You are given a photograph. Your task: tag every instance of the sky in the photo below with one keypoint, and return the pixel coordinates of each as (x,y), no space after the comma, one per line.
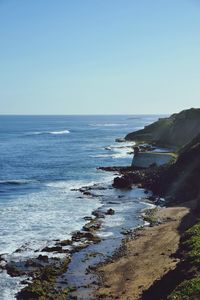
(99,56)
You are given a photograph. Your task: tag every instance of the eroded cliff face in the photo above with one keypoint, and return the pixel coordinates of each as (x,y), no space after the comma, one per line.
(147,159)
(181,180)
(175,131)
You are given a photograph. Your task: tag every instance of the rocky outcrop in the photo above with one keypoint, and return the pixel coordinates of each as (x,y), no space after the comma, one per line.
(175,131)
(147,159)
(180,181)
(177,181)
(123,182)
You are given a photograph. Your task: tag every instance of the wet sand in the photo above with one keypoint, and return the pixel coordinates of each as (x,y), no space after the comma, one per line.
(144,258)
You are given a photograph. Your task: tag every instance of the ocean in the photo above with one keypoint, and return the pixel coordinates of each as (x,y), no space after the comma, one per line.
(43,158)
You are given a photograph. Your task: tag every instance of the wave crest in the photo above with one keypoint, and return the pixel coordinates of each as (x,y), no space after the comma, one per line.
(106,124)
(51,132)
(15,182)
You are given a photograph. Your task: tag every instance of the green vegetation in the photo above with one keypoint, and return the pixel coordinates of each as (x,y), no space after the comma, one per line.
(177,182)
(151,217)
(175,131)
(189,289)
(192,244)
(44,285)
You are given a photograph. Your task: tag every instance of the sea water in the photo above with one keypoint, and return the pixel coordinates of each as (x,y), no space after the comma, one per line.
(42,159)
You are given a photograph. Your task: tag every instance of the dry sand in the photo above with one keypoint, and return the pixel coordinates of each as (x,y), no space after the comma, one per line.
(144,259)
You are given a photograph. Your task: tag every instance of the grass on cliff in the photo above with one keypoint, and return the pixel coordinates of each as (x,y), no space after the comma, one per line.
(189,289)
(192,244)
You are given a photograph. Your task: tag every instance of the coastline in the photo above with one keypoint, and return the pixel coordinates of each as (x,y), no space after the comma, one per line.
(138,259)
(162,261)
(145,256)
(78,274)
(46,275)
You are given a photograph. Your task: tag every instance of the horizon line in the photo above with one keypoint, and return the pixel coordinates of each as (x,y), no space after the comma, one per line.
(85,114)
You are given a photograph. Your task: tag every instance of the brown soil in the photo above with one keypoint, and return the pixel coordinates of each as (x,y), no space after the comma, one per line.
(144,259)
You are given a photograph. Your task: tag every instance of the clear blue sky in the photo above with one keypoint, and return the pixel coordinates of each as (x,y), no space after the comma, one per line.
(99,56)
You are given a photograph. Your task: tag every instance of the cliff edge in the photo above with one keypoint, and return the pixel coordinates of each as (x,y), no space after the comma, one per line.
(175,131)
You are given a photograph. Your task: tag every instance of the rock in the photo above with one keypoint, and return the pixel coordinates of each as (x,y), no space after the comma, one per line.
(136,150)
(120,140)
(52,249)
(64,243)
(31,263)
(43,258)
(24,282)
(110,211)
(88,218)
(120,169)
(79,235)
(91,226)
(123,182)
(152,198)
(86,193)
(12,270)
(28,295)
(98,214)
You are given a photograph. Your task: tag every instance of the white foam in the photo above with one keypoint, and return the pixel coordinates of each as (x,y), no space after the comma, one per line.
(74,184)
(51,132)
(10,286)
(149,206)
(122,151)
(104,234)
(107,124)
(60,132)
(33,219)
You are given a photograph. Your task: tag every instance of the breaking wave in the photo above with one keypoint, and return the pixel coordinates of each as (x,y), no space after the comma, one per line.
(51,132)
(15,182)
(106,124)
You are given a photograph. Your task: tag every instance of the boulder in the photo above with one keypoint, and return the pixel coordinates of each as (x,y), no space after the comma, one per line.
(110,211)
(123,182)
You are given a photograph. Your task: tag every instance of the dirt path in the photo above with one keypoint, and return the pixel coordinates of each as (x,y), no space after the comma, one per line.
(144,259)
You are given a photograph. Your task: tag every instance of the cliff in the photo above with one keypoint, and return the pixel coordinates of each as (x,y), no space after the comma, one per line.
(147,159)
(179,182)
(174,131)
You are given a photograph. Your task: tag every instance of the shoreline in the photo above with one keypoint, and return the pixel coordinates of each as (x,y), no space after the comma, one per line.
(145,256)
(87,260)
(135,263)
(84,239)
(138,260)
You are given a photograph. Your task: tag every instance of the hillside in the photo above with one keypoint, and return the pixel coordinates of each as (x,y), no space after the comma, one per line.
(174,131)
(179,182)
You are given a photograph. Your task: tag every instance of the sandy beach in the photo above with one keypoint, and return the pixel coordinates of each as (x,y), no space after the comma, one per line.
(144,258)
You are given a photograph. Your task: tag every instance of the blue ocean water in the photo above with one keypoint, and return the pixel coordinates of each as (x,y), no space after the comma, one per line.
(42,159)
